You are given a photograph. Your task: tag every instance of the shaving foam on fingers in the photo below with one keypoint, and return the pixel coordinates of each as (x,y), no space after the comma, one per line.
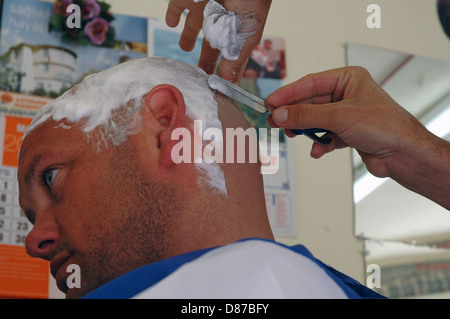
(221,29)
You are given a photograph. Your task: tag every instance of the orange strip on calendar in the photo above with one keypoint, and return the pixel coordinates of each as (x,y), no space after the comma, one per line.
(14,130)
(22,276)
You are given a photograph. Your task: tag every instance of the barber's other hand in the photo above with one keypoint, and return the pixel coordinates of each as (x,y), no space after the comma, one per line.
(253,14)
(391,142)
(351,104)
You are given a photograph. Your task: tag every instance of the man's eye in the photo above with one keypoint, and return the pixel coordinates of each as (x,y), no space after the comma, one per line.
(49,176)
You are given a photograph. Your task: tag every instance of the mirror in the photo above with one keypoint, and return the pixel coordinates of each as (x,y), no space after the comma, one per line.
(407,235)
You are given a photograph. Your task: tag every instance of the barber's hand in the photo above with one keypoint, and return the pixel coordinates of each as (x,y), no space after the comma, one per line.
(253,14)
(356,109)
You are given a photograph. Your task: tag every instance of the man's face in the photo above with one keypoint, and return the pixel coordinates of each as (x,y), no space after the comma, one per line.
(268,45)
(93,209)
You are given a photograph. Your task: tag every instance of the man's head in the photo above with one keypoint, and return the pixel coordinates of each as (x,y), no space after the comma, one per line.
(99,180)
(267,44)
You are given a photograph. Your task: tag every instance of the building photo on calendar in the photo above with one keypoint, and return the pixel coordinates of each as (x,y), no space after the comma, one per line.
(37,58)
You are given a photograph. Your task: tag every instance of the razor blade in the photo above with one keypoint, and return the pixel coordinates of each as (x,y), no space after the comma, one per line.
(244,97)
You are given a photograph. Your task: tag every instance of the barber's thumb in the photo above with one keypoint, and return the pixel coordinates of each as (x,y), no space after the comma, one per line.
(280,116)
(299,116)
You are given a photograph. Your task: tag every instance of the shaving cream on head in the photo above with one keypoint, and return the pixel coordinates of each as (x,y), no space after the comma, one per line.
(221,29)
(102,98)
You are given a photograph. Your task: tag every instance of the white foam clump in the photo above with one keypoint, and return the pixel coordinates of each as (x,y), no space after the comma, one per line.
(221,29)
(97,97)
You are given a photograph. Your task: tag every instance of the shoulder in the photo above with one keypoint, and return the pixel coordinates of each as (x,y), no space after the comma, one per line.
(247,269)
(250,268)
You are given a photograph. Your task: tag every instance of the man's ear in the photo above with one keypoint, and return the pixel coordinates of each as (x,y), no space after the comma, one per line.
(165,104)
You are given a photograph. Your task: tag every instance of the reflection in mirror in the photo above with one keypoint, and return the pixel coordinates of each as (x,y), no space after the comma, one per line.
(410,271)
(404,231)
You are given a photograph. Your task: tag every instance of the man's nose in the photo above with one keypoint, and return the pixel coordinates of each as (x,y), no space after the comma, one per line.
(42,240)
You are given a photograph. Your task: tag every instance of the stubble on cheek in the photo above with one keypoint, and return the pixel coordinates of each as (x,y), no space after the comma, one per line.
(128,230)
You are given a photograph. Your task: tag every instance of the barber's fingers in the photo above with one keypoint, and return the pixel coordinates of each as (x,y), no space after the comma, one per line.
(190,32)
(307,116)
(233,71)
(253,15)
(318,150)
(324,87)
(304,116)
(208,58)
(173,13)
(193,22)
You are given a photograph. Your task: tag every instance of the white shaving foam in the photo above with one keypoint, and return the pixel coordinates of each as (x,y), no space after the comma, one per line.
(97,97)
(221,29)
